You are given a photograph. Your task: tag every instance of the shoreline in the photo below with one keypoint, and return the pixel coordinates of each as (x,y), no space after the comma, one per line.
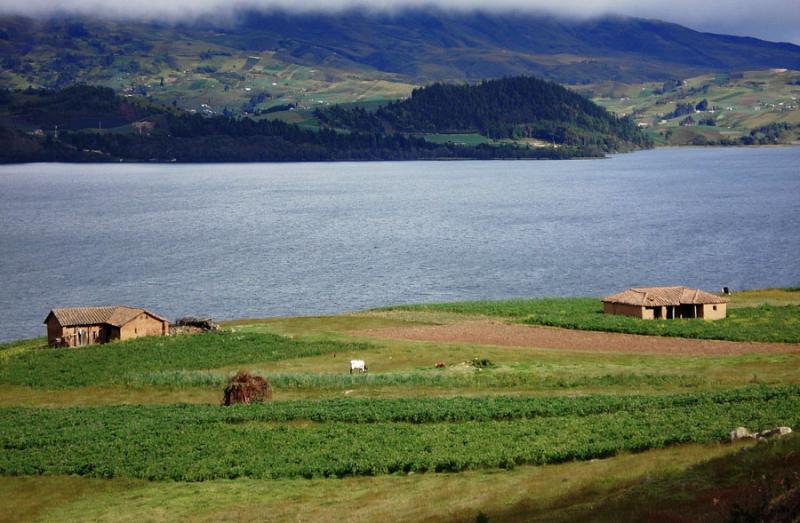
(441,159)
(515,327)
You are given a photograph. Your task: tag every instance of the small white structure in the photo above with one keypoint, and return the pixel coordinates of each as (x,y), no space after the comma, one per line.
(358,365)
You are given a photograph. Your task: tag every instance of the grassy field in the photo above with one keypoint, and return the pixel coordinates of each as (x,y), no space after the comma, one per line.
(110,364)
(134,430)
(465,139)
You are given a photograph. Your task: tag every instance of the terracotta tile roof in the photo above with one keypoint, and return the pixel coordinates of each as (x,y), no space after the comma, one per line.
(117,315)
(661,296)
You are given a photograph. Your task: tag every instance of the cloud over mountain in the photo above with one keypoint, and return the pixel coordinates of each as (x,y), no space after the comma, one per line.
(775,20)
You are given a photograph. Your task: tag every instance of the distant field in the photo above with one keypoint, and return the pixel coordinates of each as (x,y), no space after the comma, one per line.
(466,139)
(738,103)
(205,75)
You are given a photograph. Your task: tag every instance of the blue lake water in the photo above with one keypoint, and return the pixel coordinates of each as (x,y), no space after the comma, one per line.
(252,240)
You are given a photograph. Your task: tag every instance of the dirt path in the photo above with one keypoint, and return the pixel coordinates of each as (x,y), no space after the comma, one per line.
(516,335)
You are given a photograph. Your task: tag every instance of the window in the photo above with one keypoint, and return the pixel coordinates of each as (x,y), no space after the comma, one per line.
(714,307)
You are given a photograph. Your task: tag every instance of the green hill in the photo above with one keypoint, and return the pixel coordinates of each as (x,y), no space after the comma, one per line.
(517,108)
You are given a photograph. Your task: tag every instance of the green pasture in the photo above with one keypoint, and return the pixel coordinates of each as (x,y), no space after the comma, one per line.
(466,139)
(116,363)
(315,365)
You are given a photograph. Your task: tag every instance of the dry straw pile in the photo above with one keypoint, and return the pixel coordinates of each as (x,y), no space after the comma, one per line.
(246,388)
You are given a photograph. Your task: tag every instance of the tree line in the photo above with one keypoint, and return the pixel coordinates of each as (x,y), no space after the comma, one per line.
(175,135)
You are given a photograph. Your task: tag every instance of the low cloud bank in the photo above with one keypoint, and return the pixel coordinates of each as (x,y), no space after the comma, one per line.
(775,20)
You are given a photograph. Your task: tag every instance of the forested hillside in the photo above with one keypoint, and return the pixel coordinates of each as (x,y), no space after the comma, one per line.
(509,108)
(67,125)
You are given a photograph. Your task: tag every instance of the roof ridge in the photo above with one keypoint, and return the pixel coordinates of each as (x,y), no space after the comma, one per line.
(98,314)
(660,296)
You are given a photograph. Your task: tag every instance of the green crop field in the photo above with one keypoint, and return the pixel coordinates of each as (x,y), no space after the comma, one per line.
(200,443)
(135,430)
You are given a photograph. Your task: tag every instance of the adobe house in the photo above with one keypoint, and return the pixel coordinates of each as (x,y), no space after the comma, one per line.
(78,326)
(667,303)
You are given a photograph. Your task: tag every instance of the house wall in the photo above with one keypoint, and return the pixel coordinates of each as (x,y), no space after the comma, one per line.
(91,334)
(143,325)
(53,330)
(716,311)
(625,310)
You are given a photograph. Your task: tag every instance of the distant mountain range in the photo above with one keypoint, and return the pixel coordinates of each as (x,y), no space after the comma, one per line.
(433,44)
(419,45)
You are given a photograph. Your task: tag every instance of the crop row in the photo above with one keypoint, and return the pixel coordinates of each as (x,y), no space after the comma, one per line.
(414,410)
(185,442)
(193,447)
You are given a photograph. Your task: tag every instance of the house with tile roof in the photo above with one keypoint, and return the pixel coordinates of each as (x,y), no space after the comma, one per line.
(78,326)
(666,303)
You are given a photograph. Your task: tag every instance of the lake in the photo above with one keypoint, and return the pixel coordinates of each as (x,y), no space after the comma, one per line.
(254,240)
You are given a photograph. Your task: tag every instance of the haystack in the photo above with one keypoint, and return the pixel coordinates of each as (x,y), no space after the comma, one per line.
(246,388)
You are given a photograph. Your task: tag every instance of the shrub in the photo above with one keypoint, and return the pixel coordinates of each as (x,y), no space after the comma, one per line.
(481,363)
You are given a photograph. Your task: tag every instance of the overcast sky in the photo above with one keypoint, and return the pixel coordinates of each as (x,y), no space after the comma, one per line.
(775,20)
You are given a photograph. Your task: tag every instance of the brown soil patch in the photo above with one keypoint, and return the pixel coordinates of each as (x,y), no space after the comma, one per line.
(516,335)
